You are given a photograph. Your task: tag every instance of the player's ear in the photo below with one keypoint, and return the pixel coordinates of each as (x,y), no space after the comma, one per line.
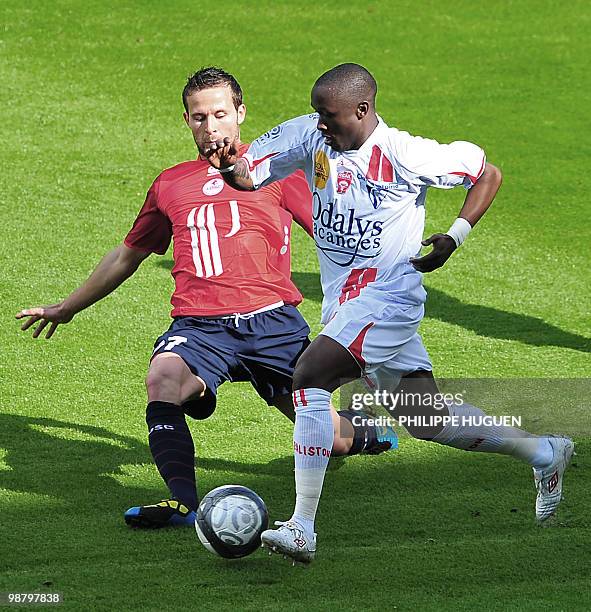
(186,117)
(362,109)
(241,110)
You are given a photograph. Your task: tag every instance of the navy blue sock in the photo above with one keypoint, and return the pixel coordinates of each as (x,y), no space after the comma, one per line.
(173,451)
(364,435)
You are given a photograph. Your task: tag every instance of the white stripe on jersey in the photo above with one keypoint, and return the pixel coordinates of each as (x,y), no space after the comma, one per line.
(235,218)
(214,242)
(204,241)
(194,242)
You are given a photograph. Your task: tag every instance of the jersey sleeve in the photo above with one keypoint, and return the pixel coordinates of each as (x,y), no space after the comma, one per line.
(152,229)
(427,162)
(283,150)
(297,199)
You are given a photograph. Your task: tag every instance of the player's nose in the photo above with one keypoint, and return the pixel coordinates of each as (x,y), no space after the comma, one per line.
(320,125)
(210,124)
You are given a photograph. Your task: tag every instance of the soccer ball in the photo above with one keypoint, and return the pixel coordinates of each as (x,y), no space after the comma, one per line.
(230,520)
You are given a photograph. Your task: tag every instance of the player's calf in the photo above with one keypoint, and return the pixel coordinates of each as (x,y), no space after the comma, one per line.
(172,449)
(549,456)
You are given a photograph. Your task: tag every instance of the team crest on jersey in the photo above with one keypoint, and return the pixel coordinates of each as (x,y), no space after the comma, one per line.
(344,179)
(321,170)
(213,187)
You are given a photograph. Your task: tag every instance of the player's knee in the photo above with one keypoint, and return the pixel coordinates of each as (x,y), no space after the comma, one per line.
(163,381)
(306,377)
(154,379)
(325,364)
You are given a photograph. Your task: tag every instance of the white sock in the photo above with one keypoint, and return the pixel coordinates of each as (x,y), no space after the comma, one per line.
(313,436)
(536,450)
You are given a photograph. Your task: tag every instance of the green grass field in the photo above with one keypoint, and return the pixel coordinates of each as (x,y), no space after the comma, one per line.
(91,113)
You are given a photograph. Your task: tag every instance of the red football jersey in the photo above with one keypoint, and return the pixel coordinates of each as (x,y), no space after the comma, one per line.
(231,248)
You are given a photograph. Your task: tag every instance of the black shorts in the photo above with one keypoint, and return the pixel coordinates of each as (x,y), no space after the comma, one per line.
(262,349)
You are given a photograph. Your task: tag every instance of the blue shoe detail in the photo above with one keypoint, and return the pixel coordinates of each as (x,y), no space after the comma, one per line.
(132,512)
(387,434)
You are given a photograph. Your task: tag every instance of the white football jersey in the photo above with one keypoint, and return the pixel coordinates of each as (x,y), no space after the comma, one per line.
(368,204)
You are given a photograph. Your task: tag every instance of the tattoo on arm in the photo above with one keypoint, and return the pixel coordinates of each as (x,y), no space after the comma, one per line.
(239,178)
(241,169)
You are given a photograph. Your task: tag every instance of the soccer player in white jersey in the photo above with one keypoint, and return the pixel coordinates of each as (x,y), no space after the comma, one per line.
(369,183)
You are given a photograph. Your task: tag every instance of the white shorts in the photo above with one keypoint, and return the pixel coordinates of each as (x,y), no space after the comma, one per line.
(382,337)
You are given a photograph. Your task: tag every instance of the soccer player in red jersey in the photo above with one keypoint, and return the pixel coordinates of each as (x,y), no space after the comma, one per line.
(234,304)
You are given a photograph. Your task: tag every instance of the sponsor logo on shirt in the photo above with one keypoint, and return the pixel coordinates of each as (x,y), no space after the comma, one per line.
(211,171)
(213,187)
(321,170)
(342,236)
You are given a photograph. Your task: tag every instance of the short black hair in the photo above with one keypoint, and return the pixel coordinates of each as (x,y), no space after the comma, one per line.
(350,80)
(212,77)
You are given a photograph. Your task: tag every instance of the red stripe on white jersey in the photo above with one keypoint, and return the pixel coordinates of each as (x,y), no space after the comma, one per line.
(356,347)
(373,171)
(387,170)
(380,167)
(473,179)
(256,162)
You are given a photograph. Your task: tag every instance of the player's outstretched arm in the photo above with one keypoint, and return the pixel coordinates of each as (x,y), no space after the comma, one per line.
(223,155)
(479,198)
(116,266)
(481,195)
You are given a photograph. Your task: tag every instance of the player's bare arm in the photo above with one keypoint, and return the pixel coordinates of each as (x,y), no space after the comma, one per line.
(477,202)
(223,155)
(115,267)
(481,195)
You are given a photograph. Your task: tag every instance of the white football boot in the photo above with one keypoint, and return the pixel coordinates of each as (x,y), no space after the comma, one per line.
(290,540)
(549,479)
